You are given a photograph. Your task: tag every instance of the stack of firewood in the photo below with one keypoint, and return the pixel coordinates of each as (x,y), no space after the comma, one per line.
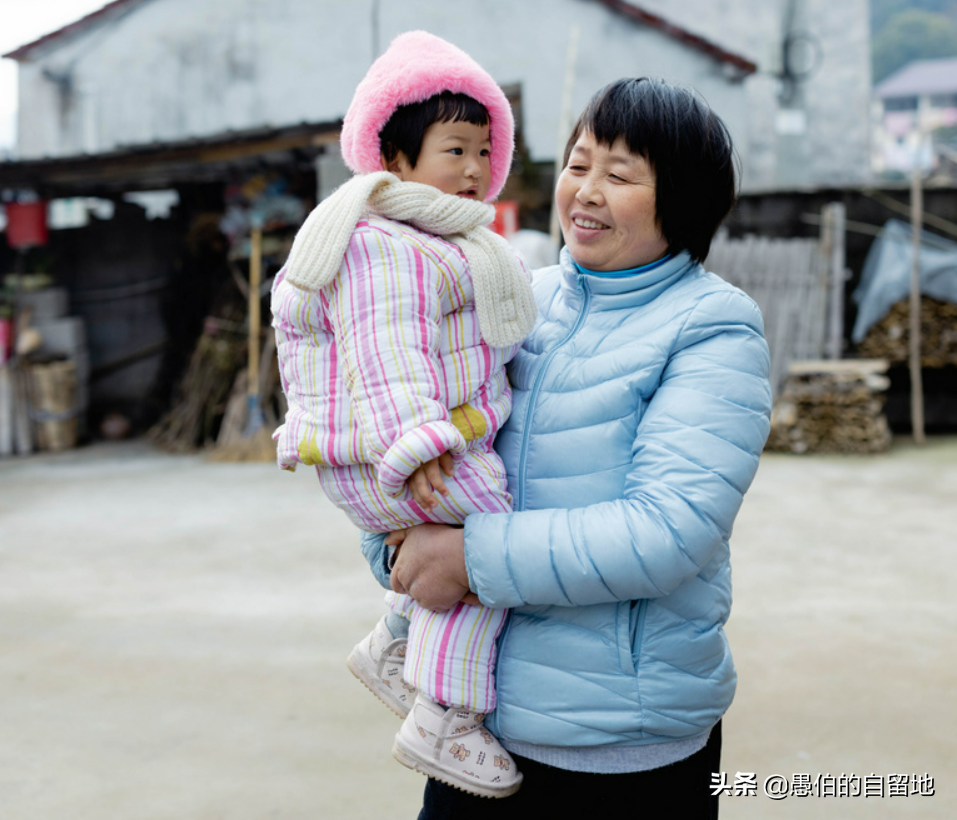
(890,337)
(211,404)
(197,411)
(832,407)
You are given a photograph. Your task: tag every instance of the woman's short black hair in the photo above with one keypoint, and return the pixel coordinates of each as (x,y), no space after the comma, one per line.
(685,142)
(407,125)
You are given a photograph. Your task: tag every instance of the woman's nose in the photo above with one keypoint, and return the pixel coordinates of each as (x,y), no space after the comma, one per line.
(589,191)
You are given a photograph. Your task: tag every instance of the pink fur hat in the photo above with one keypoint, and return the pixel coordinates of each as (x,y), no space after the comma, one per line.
(416,66)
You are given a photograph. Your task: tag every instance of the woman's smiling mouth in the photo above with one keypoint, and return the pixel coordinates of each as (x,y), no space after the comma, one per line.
(591,224)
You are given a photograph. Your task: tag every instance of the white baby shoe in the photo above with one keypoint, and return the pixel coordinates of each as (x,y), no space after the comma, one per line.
(453,746)
(378,660)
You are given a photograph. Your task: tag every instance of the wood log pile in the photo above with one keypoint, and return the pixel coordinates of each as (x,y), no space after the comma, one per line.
(193,420)
(832,407)
(890,337)
(210,407)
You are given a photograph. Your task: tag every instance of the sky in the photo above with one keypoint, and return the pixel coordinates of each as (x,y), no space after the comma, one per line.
(21,22)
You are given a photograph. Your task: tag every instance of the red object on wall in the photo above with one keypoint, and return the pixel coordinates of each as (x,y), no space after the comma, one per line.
(6,340)
(506,218)
(26,224)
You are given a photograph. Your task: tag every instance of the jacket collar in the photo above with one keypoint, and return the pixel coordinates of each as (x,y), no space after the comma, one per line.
(622,289)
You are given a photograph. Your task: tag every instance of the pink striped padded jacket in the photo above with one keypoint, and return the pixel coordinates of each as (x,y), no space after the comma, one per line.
(386,365)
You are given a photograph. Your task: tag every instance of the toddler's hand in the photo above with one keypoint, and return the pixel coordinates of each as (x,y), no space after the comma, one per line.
(427,480)
(395,538)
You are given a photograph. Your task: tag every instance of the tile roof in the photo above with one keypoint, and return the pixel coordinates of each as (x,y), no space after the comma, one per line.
(638,14)
(920,77)
(76,27)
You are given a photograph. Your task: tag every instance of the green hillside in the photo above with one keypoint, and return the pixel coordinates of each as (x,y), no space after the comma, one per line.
(906,30)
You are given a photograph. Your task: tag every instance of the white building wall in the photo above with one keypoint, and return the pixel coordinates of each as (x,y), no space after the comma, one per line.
(834,99)
(174,69)
(839,95)
(527,42)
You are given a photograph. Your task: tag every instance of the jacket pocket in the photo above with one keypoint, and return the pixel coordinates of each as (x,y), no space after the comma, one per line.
(630,624)
(633,615)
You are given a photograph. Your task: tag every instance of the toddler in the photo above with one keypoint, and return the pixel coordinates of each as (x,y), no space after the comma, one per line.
(395,315)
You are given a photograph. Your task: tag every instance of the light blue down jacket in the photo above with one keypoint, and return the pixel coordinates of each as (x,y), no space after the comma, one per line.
(641,406)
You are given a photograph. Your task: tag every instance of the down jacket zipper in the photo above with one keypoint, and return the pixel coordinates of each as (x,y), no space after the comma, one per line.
(519,494)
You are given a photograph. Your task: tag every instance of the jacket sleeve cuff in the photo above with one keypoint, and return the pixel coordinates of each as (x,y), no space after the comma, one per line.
(487,560)
(414,449)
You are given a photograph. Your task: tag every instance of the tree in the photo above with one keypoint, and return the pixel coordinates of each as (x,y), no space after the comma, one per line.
(884,10)
(912,35)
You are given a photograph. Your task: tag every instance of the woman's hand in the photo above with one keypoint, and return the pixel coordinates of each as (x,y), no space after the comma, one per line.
(430,566)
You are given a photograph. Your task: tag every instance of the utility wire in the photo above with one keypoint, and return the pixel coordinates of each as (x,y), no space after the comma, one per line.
(938,222)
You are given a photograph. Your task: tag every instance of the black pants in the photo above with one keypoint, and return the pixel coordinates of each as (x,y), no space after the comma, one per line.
(681,791)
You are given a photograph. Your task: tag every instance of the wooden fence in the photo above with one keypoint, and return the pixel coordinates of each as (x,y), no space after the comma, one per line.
(792,282)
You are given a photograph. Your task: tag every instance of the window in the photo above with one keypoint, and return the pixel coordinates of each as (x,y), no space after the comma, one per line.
(900,104)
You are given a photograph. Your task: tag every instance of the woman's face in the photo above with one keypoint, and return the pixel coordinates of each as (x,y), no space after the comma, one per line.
(606,206)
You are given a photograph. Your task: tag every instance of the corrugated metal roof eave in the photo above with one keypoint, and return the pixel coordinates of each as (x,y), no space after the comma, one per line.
(138,167)
(229,136)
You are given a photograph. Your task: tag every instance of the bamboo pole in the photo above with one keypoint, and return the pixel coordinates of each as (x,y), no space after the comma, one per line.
(834,219)
(916,377)
(254,419)
(564,124)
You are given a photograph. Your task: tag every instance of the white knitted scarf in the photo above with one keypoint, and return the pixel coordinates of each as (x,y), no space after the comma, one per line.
(503,296)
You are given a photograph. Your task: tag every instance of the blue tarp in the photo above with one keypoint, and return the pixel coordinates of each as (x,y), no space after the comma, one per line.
(885,280)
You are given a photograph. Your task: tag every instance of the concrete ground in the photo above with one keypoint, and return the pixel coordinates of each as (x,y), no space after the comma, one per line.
(172,637)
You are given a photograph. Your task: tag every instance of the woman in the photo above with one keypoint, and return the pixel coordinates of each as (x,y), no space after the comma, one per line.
(641,406)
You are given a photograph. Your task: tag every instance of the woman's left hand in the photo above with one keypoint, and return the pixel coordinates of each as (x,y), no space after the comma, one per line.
(430,566)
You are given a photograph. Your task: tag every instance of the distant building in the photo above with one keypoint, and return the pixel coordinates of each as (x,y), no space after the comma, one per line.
(916,116)
(790,77)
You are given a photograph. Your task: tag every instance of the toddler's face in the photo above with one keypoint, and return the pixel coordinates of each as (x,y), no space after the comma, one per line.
(454,158)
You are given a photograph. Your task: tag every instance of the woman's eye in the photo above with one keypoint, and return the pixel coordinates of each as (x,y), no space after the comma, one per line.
(485,152)
(456,151)
(616,178)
